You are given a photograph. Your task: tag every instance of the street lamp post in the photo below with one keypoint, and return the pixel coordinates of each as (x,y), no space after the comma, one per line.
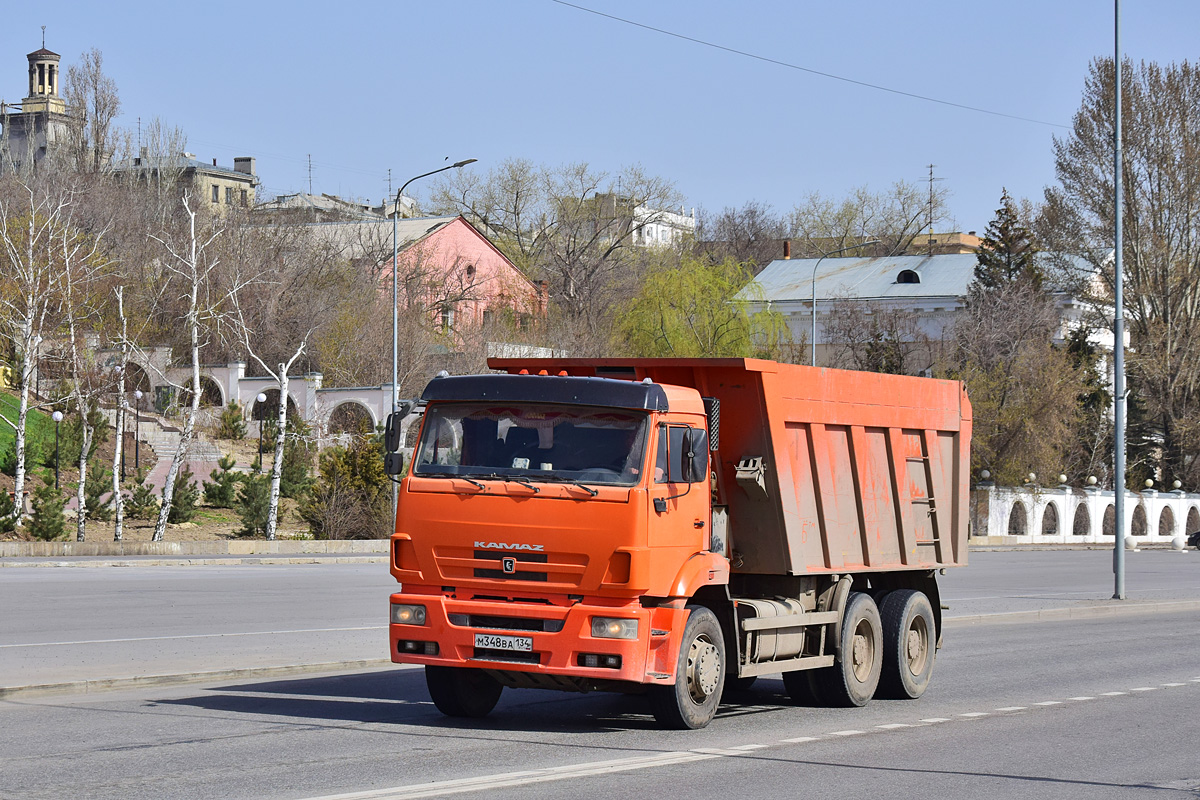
(814,289)
(57,417)
(395,282)
(258,401)
(137,422)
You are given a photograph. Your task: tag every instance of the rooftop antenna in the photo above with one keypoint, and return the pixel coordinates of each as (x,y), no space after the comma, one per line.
(43,37)
(139,135)
(931,182)
(310,173)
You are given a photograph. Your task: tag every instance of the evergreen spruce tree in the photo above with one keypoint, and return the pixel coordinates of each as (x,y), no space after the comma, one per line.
(98,485)
(253,505)
(222,491)
(184,498)
(48,522)
(143,502)
(1007,251)
(233,423)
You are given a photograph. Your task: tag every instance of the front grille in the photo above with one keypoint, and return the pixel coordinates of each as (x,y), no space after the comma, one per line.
(488,654)
(513,623)
(492,555)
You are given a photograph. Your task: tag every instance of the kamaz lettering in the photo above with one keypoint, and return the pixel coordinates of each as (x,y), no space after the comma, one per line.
(509,546)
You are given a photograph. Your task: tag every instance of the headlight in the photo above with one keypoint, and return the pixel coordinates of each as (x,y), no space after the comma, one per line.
(408,615)
(606,628)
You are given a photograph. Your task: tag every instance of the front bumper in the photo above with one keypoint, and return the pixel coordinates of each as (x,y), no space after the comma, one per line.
(561,636)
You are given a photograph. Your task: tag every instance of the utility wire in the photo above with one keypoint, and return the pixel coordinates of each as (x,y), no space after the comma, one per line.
(799,68)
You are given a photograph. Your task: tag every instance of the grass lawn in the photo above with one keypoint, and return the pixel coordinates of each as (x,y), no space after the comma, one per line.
(39,428)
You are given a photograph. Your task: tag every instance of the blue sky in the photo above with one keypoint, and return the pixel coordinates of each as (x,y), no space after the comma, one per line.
(366,87)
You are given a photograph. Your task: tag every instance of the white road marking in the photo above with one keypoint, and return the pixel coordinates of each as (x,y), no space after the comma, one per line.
(192,636)
(802,739)
(510,779)
(974,714)
(893,726)
(1143,688)
(1012,708)
(1049,703)
(1174,684)
(936,719)
(846,733)
(1113,694)
(750,747)
(1081,698)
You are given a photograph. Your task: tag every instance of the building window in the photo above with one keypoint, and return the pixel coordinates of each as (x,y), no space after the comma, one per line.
(908,276)
(243,198)
(228,195)
(216,194)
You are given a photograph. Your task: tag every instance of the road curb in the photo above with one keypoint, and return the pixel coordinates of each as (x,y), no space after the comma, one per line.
(183,561)
(212,676)
(1116,609)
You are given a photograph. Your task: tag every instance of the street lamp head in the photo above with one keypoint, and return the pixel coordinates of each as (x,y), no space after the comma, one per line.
(57,416)
(464,163)
(262,398)
(137,394)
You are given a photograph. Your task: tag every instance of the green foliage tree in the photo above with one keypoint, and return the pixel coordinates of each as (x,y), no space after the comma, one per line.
(294,477)
(253,505)
(71,435)
(222,491)
(1007,250)
(232,424)
(48,521)
(695,309)
(184,498)
(351,498)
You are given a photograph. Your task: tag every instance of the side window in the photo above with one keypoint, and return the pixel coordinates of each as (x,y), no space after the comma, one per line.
(660,461)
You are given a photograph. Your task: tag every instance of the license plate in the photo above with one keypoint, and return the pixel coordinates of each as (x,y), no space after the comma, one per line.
(492,641)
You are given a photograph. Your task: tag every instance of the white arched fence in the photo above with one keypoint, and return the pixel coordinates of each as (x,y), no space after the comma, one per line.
(1070,515)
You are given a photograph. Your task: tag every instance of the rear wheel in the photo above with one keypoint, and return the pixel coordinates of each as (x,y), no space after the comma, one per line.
(908,644)
(854,676)
(699,675)
(461,692)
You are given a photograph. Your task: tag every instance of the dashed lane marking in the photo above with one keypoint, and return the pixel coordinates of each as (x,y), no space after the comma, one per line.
(846,733)
(936,719)
(974,714)
(1013,708)
(893,726)
(1143,688)
(1081,698)
(802,739)
(1113,694)
(1174,684)
(1049,703)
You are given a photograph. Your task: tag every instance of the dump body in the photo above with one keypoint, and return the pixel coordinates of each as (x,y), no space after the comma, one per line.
(840,472)
(659,525)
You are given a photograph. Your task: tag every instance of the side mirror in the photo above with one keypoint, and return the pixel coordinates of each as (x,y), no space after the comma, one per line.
(695,455)
(393,463)
(393,431)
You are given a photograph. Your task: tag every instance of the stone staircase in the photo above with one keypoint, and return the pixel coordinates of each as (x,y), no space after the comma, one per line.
(164,438)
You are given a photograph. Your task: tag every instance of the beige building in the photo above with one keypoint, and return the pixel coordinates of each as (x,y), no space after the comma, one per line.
(211,186)
(38,123)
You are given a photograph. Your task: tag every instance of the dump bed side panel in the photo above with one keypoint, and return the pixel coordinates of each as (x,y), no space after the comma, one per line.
(842,471)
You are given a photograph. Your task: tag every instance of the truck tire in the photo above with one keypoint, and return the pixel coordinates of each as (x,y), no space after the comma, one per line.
(853,678)
(462,692)
(691,702)
(908,644)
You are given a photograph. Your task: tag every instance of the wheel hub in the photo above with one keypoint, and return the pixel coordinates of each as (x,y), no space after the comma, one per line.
(703,669)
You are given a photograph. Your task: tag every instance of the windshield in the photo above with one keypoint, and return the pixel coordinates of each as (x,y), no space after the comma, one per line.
(537,443)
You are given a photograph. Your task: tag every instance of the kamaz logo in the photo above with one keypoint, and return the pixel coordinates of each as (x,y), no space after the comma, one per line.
(509,546)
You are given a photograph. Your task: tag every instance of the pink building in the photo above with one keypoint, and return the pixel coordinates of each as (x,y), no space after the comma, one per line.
(450,269)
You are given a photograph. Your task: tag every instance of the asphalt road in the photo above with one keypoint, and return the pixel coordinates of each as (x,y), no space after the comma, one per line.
(1098,708)
(70,624)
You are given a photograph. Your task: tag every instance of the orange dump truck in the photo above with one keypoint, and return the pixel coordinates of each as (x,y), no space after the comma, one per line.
(676,528)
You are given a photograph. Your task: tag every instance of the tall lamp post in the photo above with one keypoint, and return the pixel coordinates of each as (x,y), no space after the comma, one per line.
(57,417)
(137,421)
(395,282)
(258,412)
(814,289)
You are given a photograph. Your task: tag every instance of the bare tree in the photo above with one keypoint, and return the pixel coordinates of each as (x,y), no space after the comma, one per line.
(93,102)
(895,218)
(878,338)
(752,234)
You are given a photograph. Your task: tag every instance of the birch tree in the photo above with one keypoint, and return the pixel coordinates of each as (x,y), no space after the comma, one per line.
(30,219)
(194,270)
(118,497)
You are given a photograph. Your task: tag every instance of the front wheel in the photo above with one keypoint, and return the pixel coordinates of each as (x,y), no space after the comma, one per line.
(699,675)
(462,692)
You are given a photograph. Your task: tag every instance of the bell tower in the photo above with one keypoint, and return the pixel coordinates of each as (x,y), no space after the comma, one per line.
(42,121)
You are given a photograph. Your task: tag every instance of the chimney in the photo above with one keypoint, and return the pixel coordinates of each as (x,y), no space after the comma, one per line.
(214,162)
(244,164)
(787,249)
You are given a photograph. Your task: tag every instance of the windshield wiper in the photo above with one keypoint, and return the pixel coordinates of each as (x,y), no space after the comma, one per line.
(474,483)
(523,481)
(572,481)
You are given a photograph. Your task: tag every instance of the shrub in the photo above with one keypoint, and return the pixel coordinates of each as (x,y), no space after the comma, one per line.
(351,498)
(99,483)
(222,491)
